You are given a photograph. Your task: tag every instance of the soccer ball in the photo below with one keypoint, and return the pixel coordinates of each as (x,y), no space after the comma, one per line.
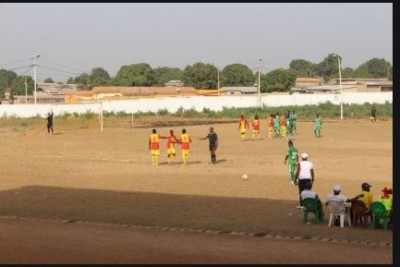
(245,177)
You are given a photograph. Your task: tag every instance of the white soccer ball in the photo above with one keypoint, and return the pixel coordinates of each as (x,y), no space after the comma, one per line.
(245,177)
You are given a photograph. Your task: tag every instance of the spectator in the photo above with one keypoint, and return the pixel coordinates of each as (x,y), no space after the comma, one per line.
(304,175)
(307,193)
(341,199)
(367,197)
(386,199)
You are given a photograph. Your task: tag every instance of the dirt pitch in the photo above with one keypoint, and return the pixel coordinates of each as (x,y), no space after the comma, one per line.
(80,174)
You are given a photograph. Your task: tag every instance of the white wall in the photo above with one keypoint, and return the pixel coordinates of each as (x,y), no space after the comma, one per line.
(172,104)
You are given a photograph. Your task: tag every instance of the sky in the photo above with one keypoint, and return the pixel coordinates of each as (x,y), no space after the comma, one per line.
(72,38)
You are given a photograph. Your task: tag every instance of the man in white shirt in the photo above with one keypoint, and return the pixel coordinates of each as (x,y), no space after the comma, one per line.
(341,199)
(307,193)
(304,175)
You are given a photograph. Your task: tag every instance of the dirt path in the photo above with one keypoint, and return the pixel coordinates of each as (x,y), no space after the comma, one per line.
(48,242)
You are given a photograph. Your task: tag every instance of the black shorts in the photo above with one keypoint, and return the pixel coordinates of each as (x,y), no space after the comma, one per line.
(213,147)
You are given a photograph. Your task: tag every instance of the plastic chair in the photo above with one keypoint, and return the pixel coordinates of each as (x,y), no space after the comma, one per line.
(379,212)
(338,210)
(360,211)
(312,205)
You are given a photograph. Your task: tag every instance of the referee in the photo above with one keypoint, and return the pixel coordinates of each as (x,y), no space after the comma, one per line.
(213,144)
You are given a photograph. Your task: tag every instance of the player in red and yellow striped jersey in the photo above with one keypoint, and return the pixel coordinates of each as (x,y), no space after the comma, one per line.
(283,124)
(154,147)
(270,124)
(243,125)
(185,141)
(256,128)
(171,140)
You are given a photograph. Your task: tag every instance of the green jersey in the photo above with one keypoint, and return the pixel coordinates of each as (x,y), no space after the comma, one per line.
(292,154)
(276,122)
(317,123)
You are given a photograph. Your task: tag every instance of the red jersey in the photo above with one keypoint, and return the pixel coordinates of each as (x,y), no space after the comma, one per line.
(154,141)
(170,141)
(256,125)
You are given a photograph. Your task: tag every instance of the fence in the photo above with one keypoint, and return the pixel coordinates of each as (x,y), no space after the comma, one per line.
(173,104)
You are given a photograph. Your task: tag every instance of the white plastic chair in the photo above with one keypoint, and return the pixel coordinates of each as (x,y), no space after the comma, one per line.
(336,209)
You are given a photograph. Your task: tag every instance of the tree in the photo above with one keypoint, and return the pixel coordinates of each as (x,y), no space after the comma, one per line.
(99,77)
(166,74)
(329,67)
(303,68)
(348,73)
(201,76)
(6,79)
(280,80)
(135,75)
(374,68)
(237,75)
(18,85)
(49,80)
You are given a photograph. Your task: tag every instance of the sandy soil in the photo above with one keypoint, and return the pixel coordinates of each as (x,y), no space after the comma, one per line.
(82,174)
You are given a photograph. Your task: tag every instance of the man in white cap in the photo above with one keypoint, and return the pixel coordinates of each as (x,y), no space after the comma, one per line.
(304,175)
(341,199)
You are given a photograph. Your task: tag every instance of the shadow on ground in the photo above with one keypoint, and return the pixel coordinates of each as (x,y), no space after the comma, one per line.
(169,210)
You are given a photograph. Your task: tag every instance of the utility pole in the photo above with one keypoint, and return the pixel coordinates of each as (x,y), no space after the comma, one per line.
(341,89)
(219,92)
(259,82)
(34,74)
(26,91)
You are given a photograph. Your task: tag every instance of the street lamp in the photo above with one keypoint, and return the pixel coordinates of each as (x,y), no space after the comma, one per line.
(34,74)
(341,89)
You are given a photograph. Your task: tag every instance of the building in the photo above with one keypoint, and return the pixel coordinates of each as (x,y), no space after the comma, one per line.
(121,92)
(174,83)
(239,90)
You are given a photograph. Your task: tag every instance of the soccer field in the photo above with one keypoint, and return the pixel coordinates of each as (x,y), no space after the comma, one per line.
(85,174)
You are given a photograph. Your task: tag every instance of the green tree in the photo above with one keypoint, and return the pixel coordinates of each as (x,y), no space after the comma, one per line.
(347,73)
(201,76)
(166,74)
(237,75)
(49,80)
(99,77)
(329,67)
(83,80)
(374,68)
(18,85)
(135,75)
(303,68)
(6,79)
(279,80)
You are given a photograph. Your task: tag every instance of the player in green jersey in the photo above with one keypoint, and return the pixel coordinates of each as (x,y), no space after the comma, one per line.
(317,126)
(292,159)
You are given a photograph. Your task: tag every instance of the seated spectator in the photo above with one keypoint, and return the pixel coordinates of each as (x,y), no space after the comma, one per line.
(386,199)
(307,193)
(367,198)
(341,199)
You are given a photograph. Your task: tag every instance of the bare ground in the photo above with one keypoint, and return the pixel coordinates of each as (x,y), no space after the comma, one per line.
(84,175)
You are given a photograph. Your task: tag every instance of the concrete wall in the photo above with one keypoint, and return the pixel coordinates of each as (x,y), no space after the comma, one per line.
(172,104)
